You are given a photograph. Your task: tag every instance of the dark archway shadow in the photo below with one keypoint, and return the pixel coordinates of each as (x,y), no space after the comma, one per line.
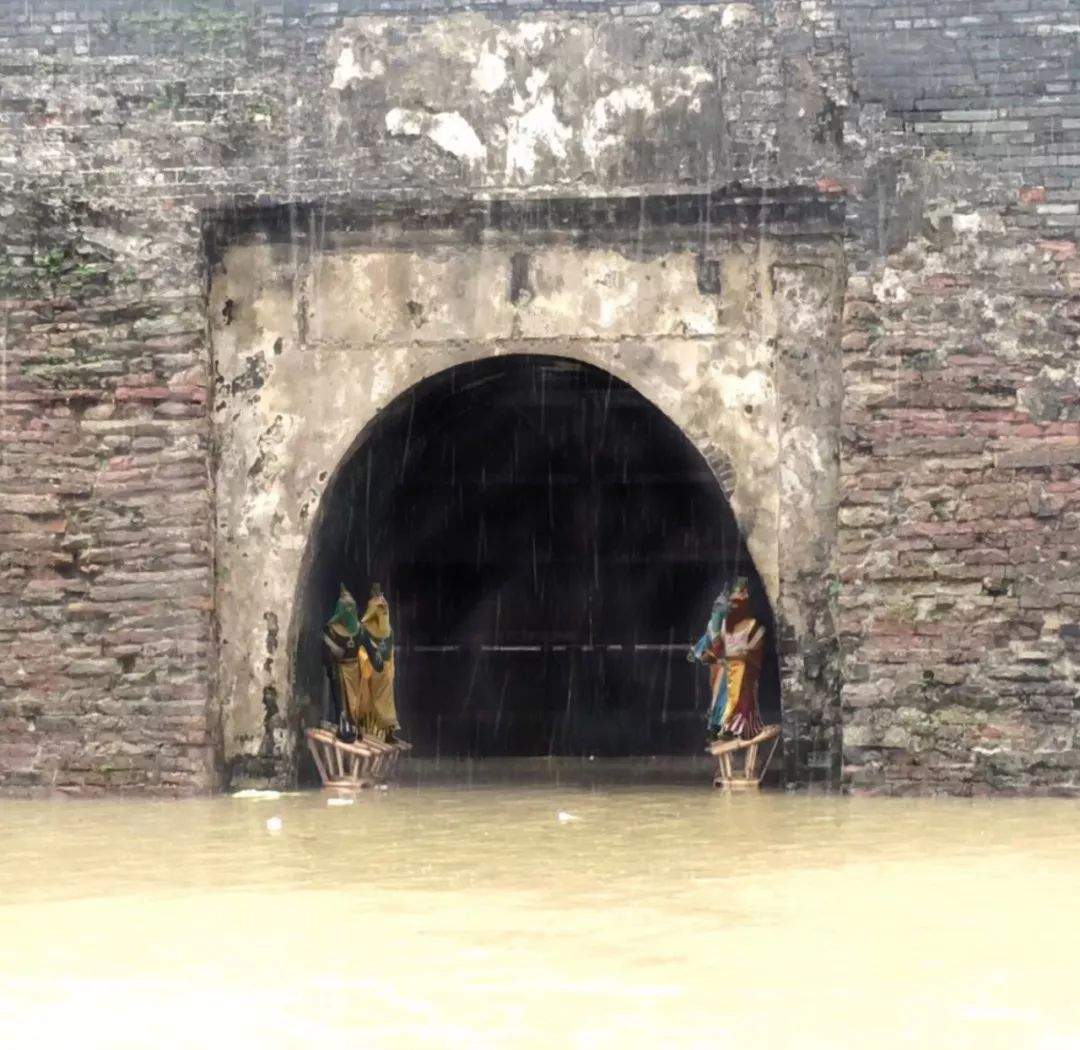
(550,543)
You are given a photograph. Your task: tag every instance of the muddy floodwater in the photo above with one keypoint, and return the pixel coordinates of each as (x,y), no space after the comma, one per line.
(453,915)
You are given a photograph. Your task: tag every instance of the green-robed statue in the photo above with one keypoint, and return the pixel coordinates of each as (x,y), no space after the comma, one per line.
(360,663)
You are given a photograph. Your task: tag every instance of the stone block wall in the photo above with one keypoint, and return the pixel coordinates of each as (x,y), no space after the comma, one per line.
(129,134)
(998,81)
(957,603)
(959,508)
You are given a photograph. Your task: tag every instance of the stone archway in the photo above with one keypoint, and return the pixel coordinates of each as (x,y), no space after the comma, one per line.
(313,341)
(550,543)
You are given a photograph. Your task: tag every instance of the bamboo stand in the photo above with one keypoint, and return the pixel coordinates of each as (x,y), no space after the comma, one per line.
(752,774)
(352,767)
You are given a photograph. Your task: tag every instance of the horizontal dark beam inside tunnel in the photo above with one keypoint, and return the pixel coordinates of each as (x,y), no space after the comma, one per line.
(704,477)
(556,648)
(548,561)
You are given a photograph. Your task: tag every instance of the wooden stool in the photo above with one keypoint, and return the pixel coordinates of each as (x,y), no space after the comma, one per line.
(351,767)
(752,775)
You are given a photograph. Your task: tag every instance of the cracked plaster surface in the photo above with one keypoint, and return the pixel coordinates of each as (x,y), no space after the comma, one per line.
(380,319)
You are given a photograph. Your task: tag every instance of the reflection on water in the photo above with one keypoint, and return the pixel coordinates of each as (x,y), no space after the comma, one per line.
(435,915)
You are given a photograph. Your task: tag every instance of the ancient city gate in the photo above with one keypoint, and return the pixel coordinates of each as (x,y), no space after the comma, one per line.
(551,430)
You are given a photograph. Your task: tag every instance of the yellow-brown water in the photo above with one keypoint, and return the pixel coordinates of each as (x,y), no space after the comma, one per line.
(444,917)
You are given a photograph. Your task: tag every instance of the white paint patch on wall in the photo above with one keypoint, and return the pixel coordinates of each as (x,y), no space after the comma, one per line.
(605,122)
(453,133)
(489,74)
(891,287)
(530,37)
(449,131)
(533,127)
(736,14)
(406,122)
(737,389)
(691,79)
(348,69)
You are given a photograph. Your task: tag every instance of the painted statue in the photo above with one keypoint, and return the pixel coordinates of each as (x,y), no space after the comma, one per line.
(733,648)
(359,654)
(341,645)
(377,712)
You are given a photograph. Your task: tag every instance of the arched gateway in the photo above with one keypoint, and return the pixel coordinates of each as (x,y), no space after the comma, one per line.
(550,543)
(549,448)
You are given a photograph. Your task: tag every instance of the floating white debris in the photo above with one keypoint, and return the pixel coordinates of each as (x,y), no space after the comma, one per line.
(566,818)
(340,801)
(274,824)
(256,793)
(382,787)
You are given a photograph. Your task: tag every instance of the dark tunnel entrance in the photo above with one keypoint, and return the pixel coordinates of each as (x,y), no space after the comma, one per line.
(550,543)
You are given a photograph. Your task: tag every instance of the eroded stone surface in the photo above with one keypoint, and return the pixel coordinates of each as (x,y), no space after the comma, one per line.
(293,399)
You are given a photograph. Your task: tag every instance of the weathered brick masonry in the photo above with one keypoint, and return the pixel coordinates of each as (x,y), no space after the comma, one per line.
(942,653)
(959,517)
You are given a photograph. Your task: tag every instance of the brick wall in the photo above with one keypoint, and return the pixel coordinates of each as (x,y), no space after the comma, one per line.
(960,598)
(124,127)
(958,609)
(998,80)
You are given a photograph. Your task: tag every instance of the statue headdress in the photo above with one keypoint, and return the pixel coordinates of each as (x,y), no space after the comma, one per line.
(345,613)
(377,614)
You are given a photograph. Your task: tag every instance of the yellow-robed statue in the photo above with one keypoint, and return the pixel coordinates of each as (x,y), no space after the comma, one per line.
(360,653)
(376,657)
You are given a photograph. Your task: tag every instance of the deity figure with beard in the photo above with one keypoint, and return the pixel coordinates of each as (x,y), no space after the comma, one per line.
(376,712)
(733,648)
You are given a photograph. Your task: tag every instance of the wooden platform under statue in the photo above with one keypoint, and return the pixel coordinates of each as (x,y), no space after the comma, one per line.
(351,767)
(752,772)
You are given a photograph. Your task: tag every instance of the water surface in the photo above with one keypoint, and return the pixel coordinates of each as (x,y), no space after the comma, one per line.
(437,915)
